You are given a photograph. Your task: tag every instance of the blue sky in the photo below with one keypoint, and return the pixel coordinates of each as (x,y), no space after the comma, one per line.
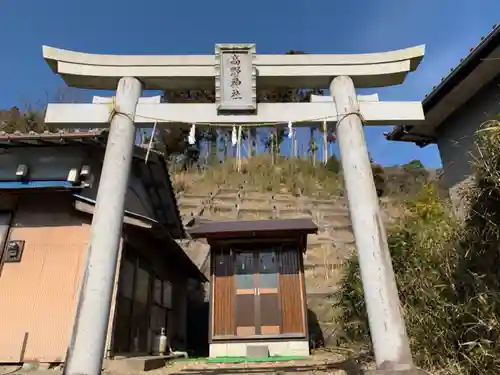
(448,28)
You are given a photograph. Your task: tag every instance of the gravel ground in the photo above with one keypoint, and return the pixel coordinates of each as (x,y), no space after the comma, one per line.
(319,363)
(322,363)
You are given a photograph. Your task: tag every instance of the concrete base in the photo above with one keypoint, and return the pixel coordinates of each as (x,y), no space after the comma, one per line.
(34,366)
(136,364)
(257,351)
(276,348)
(396,372)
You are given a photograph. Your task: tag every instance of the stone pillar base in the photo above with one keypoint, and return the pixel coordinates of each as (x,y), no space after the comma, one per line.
(396,372)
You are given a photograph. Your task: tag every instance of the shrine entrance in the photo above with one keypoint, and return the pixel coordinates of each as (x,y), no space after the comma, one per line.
(236,72)
(257,301)
(257,294)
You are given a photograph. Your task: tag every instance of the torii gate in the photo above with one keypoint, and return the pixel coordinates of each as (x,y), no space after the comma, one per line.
(236,71)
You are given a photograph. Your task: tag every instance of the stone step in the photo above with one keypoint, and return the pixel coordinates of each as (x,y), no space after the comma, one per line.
(241,205)
(331,210)
(320,201)
(246,208)
(191,199)
(327,206)
(290,210)
(323,277)
(220,208)
(138,364)
(332,243)
(339,224)
(186,206)
(318,246)
(284,198)
(310,264)
(293,215)
(321,237)
(318,268)
(333,221)
(218,216)
(253,216)
(240,215)
(255,202)
(228,191)
(193,196)
(328,256)
(226,198)
(187,214)
(341,233)
(329,253)
(320,292)
(267,199)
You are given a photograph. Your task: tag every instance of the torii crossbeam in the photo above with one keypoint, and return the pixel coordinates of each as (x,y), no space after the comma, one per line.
(301,114)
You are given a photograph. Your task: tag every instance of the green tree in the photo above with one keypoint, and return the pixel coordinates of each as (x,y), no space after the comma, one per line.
(414,164)
(333,164)
(213,152)
(379,177)
(313,146)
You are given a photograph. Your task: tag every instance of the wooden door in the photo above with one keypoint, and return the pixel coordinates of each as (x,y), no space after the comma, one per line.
(140,310)
(246,291)
(257,297)
(125,300)
(291,292)
(268,302)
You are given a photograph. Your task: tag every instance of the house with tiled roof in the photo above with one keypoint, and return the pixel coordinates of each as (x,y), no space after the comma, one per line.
(456,108)
(48,191)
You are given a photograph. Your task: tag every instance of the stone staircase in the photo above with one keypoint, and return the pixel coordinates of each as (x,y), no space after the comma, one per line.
(326,251)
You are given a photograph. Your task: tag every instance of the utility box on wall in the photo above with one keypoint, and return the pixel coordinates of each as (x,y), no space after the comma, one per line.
(13,251)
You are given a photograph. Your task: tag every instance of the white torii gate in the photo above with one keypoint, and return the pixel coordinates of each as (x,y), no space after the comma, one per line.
(236,71)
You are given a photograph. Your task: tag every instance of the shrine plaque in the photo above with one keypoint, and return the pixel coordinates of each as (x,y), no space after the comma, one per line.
(235,77)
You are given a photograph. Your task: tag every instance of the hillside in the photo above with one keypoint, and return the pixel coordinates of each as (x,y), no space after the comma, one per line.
(285,190)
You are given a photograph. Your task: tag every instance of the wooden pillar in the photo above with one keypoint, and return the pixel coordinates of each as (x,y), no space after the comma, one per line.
(387,327)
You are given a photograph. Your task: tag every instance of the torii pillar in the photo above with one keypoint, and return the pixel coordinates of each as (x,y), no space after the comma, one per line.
(86,349)
(387,326)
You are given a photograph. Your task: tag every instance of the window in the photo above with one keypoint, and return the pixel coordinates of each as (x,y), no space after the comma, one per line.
(157,292)
(127,279)
(244,270)
(268,269)
(162,293)
(158,318)
(142,286)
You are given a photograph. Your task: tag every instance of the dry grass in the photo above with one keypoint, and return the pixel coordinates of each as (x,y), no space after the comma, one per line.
(181,181)
(296,176)
(447,274)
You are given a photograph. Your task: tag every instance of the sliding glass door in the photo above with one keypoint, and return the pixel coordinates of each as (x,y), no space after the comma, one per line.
(257,309)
